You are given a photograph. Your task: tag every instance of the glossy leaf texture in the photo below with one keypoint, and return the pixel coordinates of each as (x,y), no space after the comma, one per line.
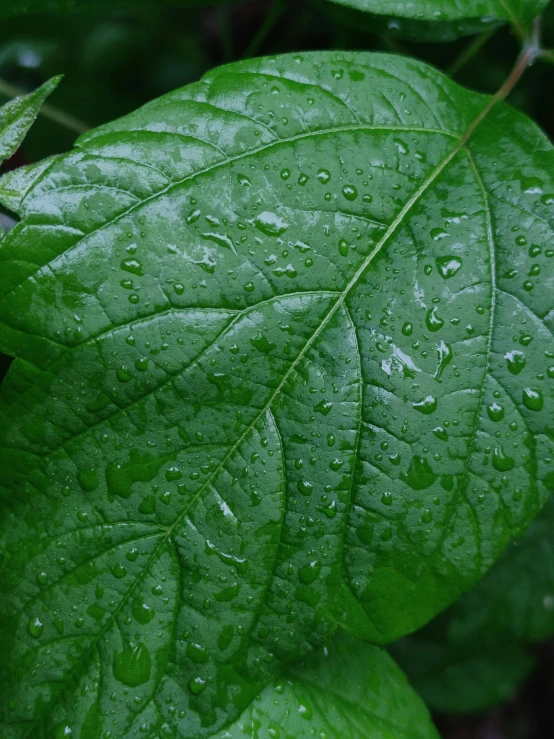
(347,690)
(18,115)
(432,21)
(283,345)
(410,29)
(514,11)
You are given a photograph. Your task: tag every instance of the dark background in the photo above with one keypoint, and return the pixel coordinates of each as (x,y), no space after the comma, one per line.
(115,61)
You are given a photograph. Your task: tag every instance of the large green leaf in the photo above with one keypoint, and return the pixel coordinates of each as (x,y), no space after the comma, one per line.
(347,690)
(283,341)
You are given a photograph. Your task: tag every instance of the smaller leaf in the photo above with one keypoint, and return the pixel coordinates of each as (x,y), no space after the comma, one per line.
(348,690)
(471,656)
(17,117)
(453,680)
(434,20)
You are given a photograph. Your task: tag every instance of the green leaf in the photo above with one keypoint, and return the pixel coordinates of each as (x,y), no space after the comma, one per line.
(432,20)
(348,690)
(283,342)
(18,115)
(469,657)
(514,11)
(462,680)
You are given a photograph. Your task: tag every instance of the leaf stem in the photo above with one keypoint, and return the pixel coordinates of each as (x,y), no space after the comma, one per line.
(528,55)
(48,111)
(275,12)
(467,54)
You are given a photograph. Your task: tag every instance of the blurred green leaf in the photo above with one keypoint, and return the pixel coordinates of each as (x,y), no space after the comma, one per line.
(512,605)
(432,20)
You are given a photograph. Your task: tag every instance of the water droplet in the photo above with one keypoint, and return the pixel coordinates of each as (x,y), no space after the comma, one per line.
(433,320)
(270,224)
(350,192)
(133,266)
(88,480)
(197,653)
(119,571)
(532,399)
(304,487)
(132,666)
(446,355)
(343,248)
(448,266)
(324,407)
(495,412)
(407,329)
(324,176)
(419,476)
(309,573)
(141,611)
(501,461)
(240,565)
(426,406)
(262,343)
(196,685)
(515,361)
(35,627)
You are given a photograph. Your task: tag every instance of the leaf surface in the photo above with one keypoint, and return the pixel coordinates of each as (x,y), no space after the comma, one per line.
(515,11)
(282,345)
(348,690)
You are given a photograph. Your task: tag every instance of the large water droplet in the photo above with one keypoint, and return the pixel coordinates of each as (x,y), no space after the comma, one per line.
(448,266)
(270,224)
(515,361)
(309,573)
(426,406)
(420,476)
(350,192)
(501,461)
(132,666)
(433,320)
(35,627)
(532,399)
(495,412)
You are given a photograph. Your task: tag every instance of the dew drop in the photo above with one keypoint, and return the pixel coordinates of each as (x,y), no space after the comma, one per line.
(532,399)
(350,192)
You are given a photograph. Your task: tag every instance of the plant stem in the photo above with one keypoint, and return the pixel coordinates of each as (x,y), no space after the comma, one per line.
(528,55)
(48,111)
(467,54)
(275,12)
